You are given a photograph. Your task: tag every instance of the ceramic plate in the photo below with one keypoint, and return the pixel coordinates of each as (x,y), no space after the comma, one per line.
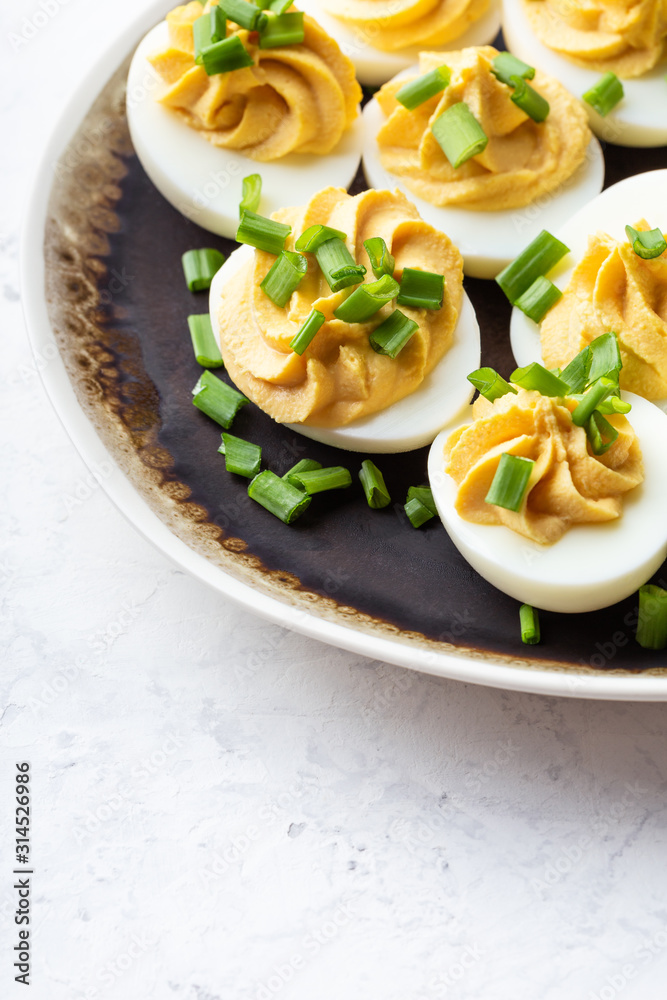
(106,307)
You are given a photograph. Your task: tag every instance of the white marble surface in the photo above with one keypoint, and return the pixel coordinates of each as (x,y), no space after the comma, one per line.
(226,810)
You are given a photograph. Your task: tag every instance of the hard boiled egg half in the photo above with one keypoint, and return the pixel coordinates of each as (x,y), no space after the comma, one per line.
(641,196)
(203,181)
(488,241)
(639,119)
(591,566)
(413,421)
(375,66)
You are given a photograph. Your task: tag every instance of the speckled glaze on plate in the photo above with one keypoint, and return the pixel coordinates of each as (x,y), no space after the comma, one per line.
(111,294)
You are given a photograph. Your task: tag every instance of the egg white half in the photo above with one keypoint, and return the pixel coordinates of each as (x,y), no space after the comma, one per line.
(375,67)
(641,196)
(640,119)
(410,423)
(203,181)
(488,241)
(591,566)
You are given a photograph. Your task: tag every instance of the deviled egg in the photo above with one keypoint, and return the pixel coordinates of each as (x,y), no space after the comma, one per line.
(590,39)
(607,286)
(349,386)
(382,41)
(522,175)
(292,108)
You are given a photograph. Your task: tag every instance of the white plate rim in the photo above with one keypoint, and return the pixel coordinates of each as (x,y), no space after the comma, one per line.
(455,666)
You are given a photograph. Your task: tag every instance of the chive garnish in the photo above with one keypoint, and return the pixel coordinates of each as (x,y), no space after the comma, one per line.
(318,480)
(247,15)
(505,66)
(417,512)
(367,299)
(600,433)
(281,29)
(251,190)
(200,267)
(338,265)
(278,496)
(536,376)
(537,300)
(218,24)
(425,496)
(242,457)
(606,94)
(284,277)
(225,56)
(598,391)
(304,337)
(204,344)
(315,236)
(528,99)
(381,260)
(414,93)
(372,480)
(459,134)
(613,404)
(277,6)
(490,384)
(265,234)
(652,624)
(303,465)
(202,33)
(217,400)
(421,289)
(646,244)
(576,373)
(604,358)
(510,482)
(391,336)
(537,259)
(530,624)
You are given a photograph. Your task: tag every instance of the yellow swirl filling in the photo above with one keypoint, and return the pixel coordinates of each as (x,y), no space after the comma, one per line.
(403,23)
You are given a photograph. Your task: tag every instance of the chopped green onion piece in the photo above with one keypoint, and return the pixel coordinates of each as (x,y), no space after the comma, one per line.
(530,624)
(367,299)
(381,260)
(510,482)
(505,66)
(528,99)
(278,496)
(538,258)
(491,385)
(265,234)
(372,480)
(338,265)
(225,56)
(281,29)
(284,277)
(647,244)
(536,376)
(459,134)
(304,465)
(417,512)
(425,496)
(242,457)
(604,358)
(600,433)
(217,400)
(202,31)
(576,373)
(218,24)
(606,94)
(303,338)
(391,336)
(251,191)
(414,93)
(247,15)
(421,289)
(200,267)
(652,624)
(613,404)
(277,6)
(592,397)
(318,480)
(537,300)
(204,343)
(313,238)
